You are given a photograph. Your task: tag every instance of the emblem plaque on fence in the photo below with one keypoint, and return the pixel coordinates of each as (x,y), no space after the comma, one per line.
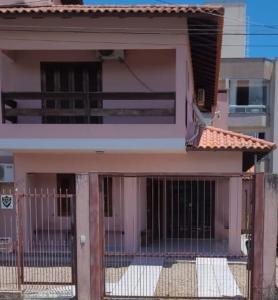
(7,202)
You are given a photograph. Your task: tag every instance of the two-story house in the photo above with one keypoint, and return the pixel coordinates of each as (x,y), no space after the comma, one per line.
(102,109)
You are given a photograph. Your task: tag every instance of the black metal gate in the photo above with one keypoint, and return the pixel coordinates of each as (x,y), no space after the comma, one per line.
(38,244)
(171,237)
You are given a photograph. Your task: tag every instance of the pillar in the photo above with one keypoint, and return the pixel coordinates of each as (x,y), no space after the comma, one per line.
(96,223)
(1,89)
(181,78)
(235,205)
(131,227)
(82,236)
(270,235)
(221,210)
(265,237)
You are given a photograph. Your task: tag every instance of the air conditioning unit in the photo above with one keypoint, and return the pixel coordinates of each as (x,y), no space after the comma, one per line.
(201,97)
(6,245)
(6,173)
(110,54)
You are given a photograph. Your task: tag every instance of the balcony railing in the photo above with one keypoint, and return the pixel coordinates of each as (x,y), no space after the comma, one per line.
(247,109)
(88,108)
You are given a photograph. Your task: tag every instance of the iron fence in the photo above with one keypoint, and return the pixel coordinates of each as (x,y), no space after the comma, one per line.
(37,251)
(168,237)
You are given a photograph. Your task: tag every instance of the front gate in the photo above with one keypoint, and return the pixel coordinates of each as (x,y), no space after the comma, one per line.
(173,237)
(37,243)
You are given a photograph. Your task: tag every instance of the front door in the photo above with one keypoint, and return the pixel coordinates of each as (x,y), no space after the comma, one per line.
(179,209)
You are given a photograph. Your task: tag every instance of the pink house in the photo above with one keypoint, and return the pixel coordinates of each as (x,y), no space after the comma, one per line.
(109,113)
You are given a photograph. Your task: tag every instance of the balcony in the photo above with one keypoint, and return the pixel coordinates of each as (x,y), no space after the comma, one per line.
(247,109)
(93,121)
(88,108)
(246,117)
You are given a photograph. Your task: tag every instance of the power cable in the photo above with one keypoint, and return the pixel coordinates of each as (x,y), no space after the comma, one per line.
(126,43)
(123,30)
(145,85)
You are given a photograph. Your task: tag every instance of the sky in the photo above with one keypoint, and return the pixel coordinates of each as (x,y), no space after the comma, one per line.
(262,17)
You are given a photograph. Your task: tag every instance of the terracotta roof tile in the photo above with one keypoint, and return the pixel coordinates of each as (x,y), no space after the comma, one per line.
(212,138)
(104,9)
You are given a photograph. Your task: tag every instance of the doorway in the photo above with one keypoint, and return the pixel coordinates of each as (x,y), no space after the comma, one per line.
(180,209)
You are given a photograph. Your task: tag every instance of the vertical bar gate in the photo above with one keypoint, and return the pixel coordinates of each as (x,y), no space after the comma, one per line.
(37,250)
(173,237)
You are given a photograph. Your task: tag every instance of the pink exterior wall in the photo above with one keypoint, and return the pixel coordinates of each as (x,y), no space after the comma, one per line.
(7,216)
(223,108)
(190,162)
(125,210)
(160,58)
(221,210)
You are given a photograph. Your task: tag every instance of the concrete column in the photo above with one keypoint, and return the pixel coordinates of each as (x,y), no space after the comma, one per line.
(264,237)
(96,219)
(1,75)
(235,205)
(270,235)
(221,209)
(181,76)
(258,232)
(131,227)
(83,236)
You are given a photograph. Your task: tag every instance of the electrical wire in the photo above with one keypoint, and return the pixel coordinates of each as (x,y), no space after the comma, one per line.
(225,16)
(145,85)
(127,43)
(124,30)
(176,4)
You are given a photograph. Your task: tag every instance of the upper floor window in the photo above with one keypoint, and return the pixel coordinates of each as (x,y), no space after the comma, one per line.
(248,95)
(70,78)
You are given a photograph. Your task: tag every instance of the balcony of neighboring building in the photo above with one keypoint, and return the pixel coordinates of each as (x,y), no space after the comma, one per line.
(248,99)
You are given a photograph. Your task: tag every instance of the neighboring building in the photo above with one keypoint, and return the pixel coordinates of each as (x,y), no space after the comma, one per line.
(235,28)
(120,184)
(250,82)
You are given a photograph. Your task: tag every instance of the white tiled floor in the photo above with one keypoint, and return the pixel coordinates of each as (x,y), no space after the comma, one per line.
(140,278)
(215,278)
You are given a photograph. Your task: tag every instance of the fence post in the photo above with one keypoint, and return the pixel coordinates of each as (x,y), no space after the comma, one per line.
(83,236)
(96,239)
(19,238)
(270,236)
(264,236)
(258,214)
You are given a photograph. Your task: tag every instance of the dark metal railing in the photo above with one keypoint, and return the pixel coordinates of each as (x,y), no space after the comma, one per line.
(88,108)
